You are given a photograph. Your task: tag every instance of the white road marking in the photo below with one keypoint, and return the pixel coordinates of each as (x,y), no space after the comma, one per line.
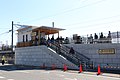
(70,79)
(75,79)
(60,75)
(10,79)
(2,77)
(46,72)
(23,71)
(108,77)
(103,76)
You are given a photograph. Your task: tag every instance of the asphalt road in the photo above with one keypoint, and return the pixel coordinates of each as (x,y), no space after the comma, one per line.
(12,72)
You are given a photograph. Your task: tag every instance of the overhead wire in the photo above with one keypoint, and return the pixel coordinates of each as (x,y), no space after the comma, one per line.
(66,11)
(93,20)
(4,28)
(99,24)
(4,32)
(84,1)
(60,13)
(97,2)
(72,10)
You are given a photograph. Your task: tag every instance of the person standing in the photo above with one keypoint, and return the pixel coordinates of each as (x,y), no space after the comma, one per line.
(3,60)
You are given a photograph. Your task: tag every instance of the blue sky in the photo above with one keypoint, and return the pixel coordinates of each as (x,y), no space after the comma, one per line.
(76,16)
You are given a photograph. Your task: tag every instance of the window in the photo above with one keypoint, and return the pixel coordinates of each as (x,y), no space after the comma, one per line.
(26,38)
(23,38)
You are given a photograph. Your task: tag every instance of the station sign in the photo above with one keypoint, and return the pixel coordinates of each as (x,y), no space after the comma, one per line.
(106,51)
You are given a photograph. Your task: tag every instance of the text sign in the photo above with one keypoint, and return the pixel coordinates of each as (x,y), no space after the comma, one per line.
(106,51)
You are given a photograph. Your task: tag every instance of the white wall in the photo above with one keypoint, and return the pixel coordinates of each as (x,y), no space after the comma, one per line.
(91,51)
(20,36)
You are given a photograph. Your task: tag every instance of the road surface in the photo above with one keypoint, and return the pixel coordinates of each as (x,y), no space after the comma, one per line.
(12,72)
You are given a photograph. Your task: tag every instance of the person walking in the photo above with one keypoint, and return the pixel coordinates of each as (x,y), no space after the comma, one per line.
(72,51)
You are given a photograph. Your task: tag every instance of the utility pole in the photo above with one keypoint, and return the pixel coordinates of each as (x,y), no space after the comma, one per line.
(53,24)
(53,27)
(117,37)
(12,38)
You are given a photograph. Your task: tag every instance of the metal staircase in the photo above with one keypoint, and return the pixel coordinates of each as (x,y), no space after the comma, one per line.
(76,58)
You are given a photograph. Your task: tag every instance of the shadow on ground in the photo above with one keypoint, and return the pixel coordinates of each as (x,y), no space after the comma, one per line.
(12,67)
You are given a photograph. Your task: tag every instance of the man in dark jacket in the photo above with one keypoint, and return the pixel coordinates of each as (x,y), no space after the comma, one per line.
(72,51)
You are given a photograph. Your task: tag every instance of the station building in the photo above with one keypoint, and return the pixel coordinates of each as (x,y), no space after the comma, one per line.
(35,49)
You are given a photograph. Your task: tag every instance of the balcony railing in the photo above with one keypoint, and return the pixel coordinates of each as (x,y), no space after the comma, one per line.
(24,44)
(103,40)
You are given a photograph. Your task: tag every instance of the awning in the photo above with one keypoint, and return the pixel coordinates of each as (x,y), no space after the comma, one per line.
(47,30)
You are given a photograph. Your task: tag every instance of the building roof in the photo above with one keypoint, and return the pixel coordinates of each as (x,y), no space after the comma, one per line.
(48,30)
(25,27)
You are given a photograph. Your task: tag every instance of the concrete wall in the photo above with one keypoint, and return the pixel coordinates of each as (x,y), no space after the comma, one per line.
(91,51)
(39,55)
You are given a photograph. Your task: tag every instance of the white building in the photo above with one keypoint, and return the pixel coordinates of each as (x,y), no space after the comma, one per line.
(24,33)
(32,35)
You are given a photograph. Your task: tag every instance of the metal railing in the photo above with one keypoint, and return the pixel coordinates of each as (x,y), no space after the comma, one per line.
(76,58)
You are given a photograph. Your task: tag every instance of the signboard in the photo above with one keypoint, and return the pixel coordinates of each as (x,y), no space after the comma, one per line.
(33,34)
(106,51)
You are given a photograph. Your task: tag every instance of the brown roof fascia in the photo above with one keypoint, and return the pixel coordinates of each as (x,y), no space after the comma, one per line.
(49,28)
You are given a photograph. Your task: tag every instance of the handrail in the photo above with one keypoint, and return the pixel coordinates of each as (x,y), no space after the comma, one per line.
(79,53)
(76,58)
(66,53)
